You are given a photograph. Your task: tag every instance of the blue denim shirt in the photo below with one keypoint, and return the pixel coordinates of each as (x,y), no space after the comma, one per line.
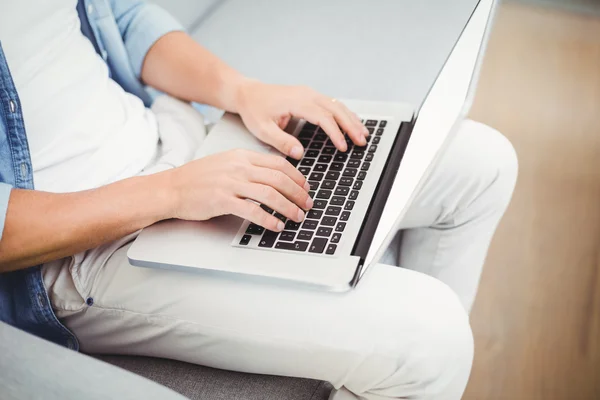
(122,32)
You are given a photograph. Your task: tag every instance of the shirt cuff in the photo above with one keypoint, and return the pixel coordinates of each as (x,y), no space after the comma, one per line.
(5,190)
(149,25)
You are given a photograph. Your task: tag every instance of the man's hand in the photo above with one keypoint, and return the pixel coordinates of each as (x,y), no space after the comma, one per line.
(267,109)
(221,183)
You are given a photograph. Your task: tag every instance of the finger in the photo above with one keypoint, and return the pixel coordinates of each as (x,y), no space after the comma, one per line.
(315,114)
(265,194)
(253,213)
(342,116)
(283,184)
(281,164)
(273,135)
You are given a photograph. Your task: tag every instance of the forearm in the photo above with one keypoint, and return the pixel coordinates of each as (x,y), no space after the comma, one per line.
(43,226)
(179,66)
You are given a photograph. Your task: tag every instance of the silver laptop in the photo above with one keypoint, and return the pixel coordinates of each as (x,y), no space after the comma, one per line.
(352,221)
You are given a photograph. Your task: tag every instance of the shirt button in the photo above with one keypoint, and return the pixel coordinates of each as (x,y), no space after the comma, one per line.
(90,9)
(24,170)
(12,106)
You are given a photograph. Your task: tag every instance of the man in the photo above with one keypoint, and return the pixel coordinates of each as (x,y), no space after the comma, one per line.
(106,166)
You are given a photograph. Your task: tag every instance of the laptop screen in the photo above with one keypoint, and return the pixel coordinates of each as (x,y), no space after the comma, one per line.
(446,105)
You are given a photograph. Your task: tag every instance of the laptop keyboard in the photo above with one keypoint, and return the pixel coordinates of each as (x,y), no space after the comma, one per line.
(335,180)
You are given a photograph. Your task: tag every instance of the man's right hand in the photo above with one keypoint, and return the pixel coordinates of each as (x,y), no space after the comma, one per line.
(223,183)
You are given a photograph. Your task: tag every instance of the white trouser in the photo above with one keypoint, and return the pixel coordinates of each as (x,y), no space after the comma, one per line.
(403,333)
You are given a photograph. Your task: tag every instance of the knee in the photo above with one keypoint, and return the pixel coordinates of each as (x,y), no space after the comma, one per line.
(484,162)
(441,353)
(426,349)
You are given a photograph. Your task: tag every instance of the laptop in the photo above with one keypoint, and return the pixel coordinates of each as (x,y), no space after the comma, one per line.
(360,196)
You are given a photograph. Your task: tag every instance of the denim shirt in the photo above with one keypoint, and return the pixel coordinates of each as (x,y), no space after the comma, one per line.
(122,32)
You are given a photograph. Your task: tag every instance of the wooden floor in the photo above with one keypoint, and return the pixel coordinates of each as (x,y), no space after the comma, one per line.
(537,317)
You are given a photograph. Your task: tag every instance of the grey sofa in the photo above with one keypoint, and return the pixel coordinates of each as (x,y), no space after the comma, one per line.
(270,53)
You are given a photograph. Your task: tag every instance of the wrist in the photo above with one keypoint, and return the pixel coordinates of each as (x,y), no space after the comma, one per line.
(240,91)
(160,188)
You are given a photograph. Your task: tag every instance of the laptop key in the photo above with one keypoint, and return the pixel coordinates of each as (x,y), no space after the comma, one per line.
(304,170)
(340,157)
(383,124)
(353,163)
(336,237)
(284,246)
(371,130)
(311,194)
(340,227)
(350,172)
(337,201)
(349,206)
(279,216)
(365,166)
(254,229)
(312,153)
(333,175)
(293,161)
(300,246)
(353,195)
(357,154)
(331,249)
(346,181)
(266,208)
(313,185)
(379,132)
(304,142)
(325,159)
(369,157)
(371,122)
(328,221)
(324,232)
(314,214)
(342,191)
(245,240)
(357,185)
(319,204)
(333,210)
(305,235)
(324,194)
(345,216)
(268,239)
(318,245)
(316,176)
(320,168)
(328,184)
(292,226)
(308,224)
(361,176)
(320,137)
(329,151)
(316,145)
(307,162)
(287,236)
(336,166)
(376,140)
(373,148)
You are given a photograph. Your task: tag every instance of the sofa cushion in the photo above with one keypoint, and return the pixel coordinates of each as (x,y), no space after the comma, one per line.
(197,382)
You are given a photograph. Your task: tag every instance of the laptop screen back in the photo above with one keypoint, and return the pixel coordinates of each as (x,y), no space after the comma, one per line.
(440,116)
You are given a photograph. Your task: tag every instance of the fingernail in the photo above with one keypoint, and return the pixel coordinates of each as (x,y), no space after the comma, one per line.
(306,186)
(344,147)
(280,226)
(300,215)
(363,141)
(309,204)
(296,152)
(365,131)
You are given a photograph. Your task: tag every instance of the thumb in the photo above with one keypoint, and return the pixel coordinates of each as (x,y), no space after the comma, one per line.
(283,141)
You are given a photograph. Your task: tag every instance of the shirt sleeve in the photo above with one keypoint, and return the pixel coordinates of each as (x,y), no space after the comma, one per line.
(141,24)
(5,190)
